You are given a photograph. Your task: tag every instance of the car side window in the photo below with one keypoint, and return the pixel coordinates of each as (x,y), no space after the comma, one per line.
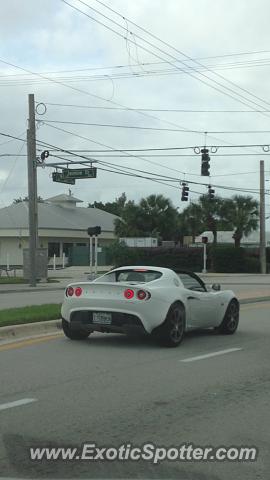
(191,283)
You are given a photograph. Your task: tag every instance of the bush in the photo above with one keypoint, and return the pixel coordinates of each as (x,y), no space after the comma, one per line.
(235,260)
(175,258)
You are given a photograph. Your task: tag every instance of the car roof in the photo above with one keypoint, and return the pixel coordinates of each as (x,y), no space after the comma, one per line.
(144,267)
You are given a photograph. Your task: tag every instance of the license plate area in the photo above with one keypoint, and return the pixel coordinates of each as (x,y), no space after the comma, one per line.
(102,318)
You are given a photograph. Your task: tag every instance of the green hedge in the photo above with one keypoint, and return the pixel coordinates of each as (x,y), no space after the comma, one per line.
(221,259)
(175,258)
(234,260)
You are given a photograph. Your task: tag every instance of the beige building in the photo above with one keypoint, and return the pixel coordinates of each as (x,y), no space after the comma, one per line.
(61,225)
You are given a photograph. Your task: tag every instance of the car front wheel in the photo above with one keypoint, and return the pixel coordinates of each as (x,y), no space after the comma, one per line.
(74,334)
(171,332)
(230,321)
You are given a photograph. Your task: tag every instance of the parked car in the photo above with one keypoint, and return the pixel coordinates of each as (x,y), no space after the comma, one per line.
(152,300)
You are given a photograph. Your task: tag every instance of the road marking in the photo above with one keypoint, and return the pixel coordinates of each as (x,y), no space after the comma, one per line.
(17,403)
(28,342)
(209,355)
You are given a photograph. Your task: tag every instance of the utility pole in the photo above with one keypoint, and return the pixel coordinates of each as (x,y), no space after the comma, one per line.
(262,219)
(32,191)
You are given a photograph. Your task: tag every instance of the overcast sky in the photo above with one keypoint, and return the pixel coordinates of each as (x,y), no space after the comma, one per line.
(50,36)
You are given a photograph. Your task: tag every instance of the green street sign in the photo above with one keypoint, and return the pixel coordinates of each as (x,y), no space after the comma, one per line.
(59,177)
(79,173)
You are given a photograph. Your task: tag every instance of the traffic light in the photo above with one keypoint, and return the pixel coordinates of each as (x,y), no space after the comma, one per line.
(211,193)
(205,169)
(94,231)
(185,191)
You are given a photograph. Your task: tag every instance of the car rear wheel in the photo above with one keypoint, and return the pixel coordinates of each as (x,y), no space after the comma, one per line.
(230,321)
(171,333)
(74,334)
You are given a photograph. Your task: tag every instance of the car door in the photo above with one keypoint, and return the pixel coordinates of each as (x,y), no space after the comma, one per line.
(201,304)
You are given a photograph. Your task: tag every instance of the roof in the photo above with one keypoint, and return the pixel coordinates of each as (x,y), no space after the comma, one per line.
(56,217)
(64,198)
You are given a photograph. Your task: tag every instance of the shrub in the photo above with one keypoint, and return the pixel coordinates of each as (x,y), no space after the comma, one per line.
(235,260)
(175,258)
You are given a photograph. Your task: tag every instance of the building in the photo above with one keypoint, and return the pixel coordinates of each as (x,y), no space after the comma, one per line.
(226,237)
(61,226)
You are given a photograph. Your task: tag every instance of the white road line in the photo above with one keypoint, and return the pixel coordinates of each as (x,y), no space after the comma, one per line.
(209,355)
(17,403)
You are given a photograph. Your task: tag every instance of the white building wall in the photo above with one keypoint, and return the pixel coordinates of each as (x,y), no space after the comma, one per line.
(11,250)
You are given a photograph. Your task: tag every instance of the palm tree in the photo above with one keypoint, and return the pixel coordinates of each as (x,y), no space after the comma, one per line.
(190,222)
(242,213)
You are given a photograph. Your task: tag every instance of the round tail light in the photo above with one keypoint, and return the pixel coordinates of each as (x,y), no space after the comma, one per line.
(128,293)
(78,291)
(69,291)
(141,295)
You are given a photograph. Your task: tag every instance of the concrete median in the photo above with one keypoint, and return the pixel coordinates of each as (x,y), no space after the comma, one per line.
(16,332)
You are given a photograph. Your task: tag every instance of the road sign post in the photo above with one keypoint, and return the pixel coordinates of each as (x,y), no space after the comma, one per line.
(96,254)
(204,241)
(91,255)
(93,231)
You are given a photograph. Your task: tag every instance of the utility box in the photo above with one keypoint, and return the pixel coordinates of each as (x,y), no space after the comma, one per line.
(41,263)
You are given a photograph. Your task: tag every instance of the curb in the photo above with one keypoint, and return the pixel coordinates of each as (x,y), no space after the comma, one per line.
(16,332)
(254,300)
(31,289)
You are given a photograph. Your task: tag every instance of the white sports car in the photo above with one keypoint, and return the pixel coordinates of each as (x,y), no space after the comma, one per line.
(156,301)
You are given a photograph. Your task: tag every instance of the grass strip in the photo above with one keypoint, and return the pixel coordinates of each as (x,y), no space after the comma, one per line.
(29,314)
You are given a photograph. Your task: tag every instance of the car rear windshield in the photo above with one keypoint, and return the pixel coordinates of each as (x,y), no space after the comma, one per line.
(132,275)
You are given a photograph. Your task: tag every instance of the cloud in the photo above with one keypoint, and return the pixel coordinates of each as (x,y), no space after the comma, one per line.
(50,36)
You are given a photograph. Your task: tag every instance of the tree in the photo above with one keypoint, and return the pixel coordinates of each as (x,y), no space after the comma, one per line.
(26,199)
(190,222)
(204,215)
(152,216)
(160,217)
(242,213)
(129,225)
(114,207)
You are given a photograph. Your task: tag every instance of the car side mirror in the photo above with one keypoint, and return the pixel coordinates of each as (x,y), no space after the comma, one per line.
(216,287)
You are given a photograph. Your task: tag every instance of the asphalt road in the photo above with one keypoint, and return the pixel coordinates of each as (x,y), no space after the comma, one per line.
(111,389)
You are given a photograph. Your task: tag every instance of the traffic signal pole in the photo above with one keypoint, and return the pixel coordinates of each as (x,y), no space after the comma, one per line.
(32,191)
(91,255)
(262,219)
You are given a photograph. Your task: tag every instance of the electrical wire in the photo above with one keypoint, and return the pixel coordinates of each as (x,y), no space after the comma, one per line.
(15,82)
(138,127)
(163,52)
(173,110)
(173,48)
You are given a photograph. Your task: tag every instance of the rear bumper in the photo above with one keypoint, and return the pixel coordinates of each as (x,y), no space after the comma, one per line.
(121,323)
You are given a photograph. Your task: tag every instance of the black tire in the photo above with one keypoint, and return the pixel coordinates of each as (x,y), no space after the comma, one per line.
(230,321)
(74,334)
(171,332)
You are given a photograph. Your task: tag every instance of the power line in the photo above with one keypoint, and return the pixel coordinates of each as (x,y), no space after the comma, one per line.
(11,136)
(122,169)
(111,148)
(138,127)
(162,51)
(187,155)
(90,94)
(175,49)
(176,110)
(152,149)
(144,64)
(14,82)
